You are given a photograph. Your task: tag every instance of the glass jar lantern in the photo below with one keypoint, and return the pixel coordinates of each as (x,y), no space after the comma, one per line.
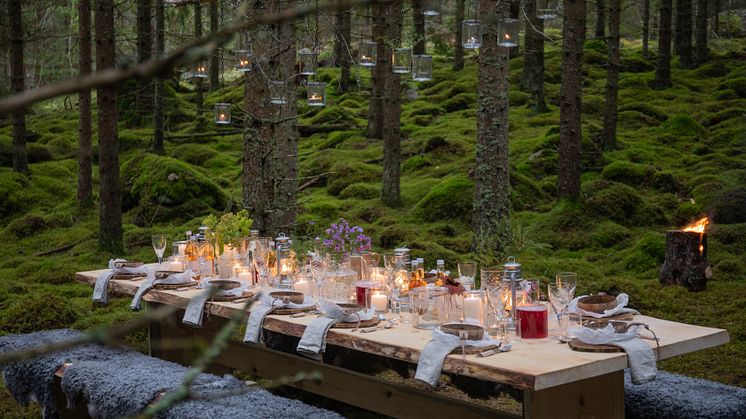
(508,32)
(547,9)
(401,60)
(308,61)
(200,70)
(285,260)
(512,275)
(422,67)
(368,54)
(222,113)
(471,34)
(431,7)
(243,60)
(277,92)
(316,93)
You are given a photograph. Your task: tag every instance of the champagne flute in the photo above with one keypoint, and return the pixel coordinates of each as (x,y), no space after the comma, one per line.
(467,271)
(569,279)
(560,296)
(159,245)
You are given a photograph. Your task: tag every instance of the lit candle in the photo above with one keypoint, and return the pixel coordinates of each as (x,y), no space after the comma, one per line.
(379,302)
(302,286)
(473,308)
(472,41)
(245,276)
(507,36)
(175,265)
(182,249)
(221,117)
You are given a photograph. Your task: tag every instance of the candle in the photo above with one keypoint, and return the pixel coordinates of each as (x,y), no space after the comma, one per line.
(245,276)
(182,249)
(303,286)
(473,308)
(175,265)
(379,302)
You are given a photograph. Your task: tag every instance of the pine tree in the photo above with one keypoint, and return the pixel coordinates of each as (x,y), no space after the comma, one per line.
(85,154)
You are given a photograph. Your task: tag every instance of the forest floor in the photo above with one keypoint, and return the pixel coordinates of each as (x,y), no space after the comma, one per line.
(681,153)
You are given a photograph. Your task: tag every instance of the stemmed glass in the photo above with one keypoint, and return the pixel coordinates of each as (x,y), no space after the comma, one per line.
(159,245)
(560,296)
(568,279)
(467,271)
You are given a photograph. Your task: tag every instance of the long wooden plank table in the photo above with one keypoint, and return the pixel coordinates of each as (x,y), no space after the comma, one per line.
(557,381)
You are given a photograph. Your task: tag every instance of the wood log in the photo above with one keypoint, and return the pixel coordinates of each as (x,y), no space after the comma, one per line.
(686,260)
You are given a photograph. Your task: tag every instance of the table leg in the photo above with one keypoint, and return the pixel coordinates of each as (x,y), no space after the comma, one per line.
(598,397)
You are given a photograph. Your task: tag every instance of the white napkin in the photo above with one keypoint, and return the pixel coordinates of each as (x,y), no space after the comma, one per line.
(196,306)
(267,300)
(177,278)
(336,312)
(100,289)
(639,354)
(256,319)
(621,303)
(435,352)
(313,342)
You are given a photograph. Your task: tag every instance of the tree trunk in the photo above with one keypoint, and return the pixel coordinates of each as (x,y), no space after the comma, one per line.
(700,34)
(686,261)
(684,32)
(599,29)
(663,68)
(85,181)
(533,59)
(419,28)
(491,210)
(573,34)
(515,13)
(391,112)
(198,98)
(458,49)
(378,73)
(144,93)
(645,27)
(612,78)
(110,207)
(158,100)
(343,23)
(716,18)
(17,83)
(214,58)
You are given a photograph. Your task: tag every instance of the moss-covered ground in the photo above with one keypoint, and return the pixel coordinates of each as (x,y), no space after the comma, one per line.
(680,154)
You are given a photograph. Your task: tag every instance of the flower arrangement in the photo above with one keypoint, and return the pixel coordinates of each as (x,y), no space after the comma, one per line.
(230,229)
(341,239)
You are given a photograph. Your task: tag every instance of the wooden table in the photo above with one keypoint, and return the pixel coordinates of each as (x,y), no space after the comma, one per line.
(556,381)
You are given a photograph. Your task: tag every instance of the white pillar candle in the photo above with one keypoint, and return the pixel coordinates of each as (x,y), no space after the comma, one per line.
(175,266)
(379,302)
(245,276)
(473,308)
(302,286)
(182,250)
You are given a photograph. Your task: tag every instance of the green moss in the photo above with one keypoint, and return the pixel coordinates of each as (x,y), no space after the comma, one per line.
(617,202)
(336,138)
(449,199)
(415,163)
(14,196)
(609,233)
(360,191)
(460,102)
(196,154)
(683,125)
(346,173)
(27,225)
(629,173)
(647,254)
(729,207)
(597,45)
(333,115)
(738,85)
(37,153)
(43,312)
(519,98)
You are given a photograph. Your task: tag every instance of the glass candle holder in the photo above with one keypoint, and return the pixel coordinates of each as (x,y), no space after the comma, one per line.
(471,34)
(368,54)
(308,61)
(422,67)
(474,307)
(316,93)
(178,248)
(547,9)
(533,321)
(303,283)
(222,113)
(508,32)
(243,60)
(176,264)
(401,60)
(490,278)
(277,92)
(362,292)
(431,7)
(200,70)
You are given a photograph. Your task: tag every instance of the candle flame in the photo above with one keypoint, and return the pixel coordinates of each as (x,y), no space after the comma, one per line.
(507,36)
(698,226)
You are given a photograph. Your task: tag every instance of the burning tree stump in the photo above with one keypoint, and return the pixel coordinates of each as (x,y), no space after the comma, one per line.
(686,260)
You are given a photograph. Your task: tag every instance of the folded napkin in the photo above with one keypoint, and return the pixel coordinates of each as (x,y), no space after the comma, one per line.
(266,299)
(639,354)
(621,307)
(340,314)
(173,279)
(100,289)
(261,310)
(435,352)
(196,306)
(313,342)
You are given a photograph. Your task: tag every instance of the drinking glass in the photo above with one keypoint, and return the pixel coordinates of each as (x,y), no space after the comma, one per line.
(560,296)
(490,278)
(568,279)
(159,245)
(466,272)
(389,261)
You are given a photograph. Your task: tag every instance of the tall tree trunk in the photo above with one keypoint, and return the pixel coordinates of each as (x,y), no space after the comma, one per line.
(599,29)
(419,28)
(110,207)
(144,94)
(491,209)
(645,27)
(612,78)
(391,112)
(158,100)
(515,13)
(458,49)
(343,23)
(378,73)
(198,98)
(663,68)
(573,35)
(716,18)
(85,181)
(533,59)
(214,58)
(700,34)
(684,32)
(20,157)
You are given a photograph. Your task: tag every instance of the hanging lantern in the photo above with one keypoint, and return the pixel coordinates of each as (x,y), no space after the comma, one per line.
(368,54)
(307,62)
(200,70)
(243,60)
(316,93)
(422,67)
(547,9)
(431,7)
(508,32)
(471,34)
(401,60)
(222,113)
(277,92)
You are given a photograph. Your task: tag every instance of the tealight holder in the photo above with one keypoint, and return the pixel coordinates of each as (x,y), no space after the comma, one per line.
(175,264)
(547,9)
(243,60)
(222,113)
(277,92)
(431,7)
(244,273)
(303,283)
(378,301)
(508,32)
(475,303)
(401,60)
(200,70)
(368,54)
(422,67)
(179,248)
(308,61)
(471,34)
(316,93)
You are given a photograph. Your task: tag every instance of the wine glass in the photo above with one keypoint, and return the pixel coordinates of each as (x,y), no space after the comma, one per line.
(389,261)
(560,296)
(569,279)
(466,272)
(159,245)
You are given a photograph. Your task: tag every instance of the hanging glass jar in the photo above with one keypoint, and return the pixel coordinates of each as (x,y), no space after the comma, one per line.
(277,92)
(401,60)
(508,33)
(431,7)
(547,9)
(222,113)
(308,60)
(368,54)
(243,60)
(200,70)
(471,34)
(422,67)
(316,93)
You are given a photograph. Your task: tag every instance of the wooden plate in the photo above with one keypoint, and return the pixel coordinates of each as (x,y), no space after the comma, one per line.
(351,325)
(224,298)
(129,277)
(286,311)
(597,303)
(579,346)
(175,286)
(473,350)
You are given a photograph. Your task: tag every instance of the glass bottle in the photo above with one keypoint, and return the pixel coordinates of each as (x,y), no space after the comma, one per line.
(440,279)
(190,252)
(421,271)
(414,281)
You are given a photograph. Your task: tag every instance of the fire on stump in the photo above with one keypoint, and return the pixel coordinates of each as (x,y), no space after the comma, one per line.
(686,257)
